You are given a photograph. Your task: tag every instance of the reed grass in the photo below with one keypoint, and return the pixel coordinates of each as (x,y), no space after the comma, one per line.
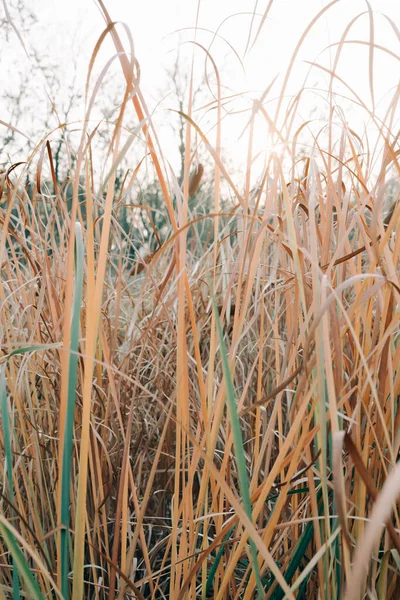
(218,419)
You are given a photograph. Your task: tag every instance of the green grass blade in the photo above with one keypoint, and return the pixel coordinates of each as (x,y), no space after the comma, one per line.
(69,420)
(36,348)
(7,446)
(8,449)
(216,562)
(298,556)
(396,558)
(237,442)
(20,565)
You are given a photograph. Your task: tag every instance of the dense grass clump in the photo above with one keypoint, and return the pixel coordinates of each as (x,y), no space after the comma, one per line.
(212,412)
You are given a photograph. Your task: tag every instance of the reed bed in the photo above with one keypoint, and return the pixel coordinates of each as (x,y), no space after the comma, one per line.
(218,418)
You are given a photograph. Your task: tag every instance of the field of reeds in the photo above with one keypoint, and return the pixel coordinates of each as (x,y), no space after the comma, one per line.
(218,418)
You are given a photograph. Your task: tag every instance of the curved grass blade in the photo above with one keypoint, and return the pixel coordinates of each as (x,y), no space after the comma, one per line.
(21,566)
(26,349)
(8,450)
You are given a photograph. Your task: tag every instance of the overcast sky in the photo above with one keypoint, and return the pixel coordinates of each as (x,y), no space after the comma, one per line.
(69,30)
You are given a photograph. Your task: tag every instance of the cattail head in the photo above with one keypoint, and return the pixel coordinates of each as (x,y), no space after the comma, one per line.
(195,179)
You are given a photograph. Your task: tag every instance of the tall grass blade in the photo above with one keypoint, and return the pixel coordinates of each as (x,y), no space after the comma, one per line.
(69,421)
(237,441)
(8,450)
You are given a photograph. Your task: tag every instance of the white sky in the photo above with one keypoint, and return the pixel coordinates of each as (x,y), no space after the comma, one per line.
(69,29)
